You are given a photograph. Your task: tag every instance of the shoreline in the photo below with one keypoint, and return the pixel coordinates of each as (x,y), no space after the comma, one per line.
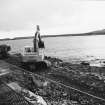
(49,36)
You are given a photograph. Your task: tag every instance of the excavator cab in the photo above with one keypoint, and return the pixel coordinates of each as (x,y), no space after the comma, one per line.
(30,56)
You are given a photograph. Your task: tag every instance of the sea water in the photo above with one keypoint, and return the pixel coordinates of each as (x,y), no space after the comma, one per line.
(71,48)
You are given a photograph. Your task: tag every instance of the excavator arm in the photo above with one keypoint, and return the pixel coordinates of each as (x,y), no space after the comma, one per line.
(37,42)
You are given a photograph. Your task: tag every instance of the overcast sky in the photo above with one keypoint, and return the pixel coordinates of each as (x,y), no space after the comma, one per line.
(20,17)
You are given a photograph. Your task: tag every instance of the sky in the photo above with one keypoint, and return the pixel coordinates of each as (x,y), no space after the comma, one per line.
(19,18)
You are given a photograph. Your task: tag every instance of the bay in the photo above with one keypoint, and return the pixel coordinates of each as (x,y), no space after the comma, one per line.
(72,48)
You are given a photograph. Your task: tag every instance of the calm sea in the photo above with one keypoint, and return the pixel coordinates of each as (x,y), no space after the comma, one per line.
(72,48)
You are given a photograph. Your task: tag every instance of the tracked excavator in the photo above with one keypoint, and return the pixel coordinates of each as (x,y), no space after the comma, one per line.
(33,56)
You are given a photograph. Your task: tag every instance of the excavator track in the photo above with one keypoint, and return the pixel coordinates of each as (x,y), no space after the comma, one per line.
(35,66)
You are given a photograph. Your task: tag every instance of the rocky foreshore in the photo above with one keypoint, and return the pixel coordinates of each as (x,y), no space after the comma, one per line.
(83,77)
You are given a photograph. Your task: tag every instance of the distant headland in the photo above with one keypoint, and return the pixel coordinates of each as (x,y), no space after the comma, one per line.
(98,32)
